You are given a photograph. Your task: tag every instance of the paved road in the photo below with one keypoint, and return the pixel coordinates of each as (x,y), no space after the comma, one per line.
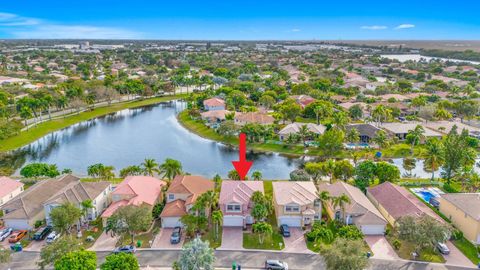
(248,259)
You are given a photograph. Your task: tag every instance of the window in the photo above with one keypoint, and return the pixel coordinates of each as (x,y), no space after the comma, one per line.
(316,217)
(316,203)
(234,208)
(171,196)
(292,208)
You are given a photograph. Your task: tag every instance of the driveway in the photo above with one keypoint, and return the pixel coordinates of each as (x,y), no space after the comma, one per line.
(296,242)
(105,242)
(162,240)
(456,257)
(381,248)
(36,245)
(232,238)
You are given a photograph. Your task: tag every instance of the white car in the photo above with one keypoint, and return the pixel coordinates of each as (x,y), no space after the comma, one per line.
(52,237)
(5,233)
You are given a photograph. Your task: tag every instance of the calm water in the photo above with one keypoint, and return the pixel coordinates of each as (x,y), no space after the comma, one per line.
(129,136)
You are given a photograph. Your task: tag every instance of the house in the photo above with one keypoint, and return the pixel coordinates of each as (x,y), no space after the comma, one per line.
(10,189)
(214,117)
(214,104)
(445,127)
(400,130)
(303,100)
(242,119)
(24,210)
(77,192)
(464,212)
(135,190)
(367,131)
(296,203)
(359,212)
(235,202)
(294,128)
(181,196)
(394,201)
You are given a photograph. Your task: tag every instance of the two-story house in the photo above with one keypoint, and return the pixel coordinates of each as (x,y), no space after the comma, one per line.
(296,203)
(235,202)
(214,104)
(9,188)
(464,212)
(135,190)
(181,196)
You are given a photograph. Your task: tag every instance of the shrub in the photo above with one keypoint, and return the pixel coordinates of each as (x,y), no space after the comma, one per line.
(350,232)
(38,224)
(457,234)
(447,187)
(299,175)
(396,244)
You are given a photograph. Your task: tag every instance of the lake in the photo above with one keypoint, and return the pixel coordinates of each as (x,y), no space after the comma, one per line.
(128,137)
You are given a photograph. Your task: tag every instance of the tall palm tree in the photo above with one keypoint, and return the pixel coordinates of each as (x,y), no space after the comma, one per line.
(328,168)
(381,114)
(434,157)
(415,136)
(170,168)
(324,197)
(217,218)
(86,205)
(257,175)
(340,120)
(303,132)
(150,166)
(341,201)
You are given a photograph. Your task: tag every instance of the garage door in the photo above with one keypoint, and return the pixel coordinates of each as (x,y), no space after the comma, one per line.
(171,222)
(373,229)
(233,221)
(290,221)
(17,224)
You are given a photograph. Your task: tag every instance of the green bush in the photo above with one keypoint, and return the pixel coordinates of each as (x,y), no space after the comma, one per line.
(350,232)
(447,187)
(457,234)
(396,244)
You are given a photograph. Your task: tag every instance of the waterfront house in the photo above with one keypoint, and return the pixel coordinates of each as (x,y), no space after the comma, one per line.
(214,117)
(235,202)
(294,128)
(214,104)
(400,130)
(242,119)
(359,212)
(9,189)
(367,132)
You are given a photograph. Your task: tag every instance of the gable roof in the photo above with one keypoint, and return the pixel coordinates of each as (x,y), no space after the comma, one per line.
(362,210)
(364,129)
(190,184)
(401,128)
(467,202)
(174,209)
(77,192)
(294,128)
(30,203)
(239,191)
(301,193)
(254,117)
(399,202)
(214,102)
(8,185)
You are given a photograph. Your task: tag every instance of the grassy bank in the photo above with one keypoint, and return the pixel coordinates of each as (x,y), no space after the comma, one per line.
(199,128)
(28,136)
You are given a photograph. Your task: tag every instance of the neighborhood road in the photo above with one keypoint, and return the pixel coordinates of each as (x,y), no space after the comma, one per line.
(248,259)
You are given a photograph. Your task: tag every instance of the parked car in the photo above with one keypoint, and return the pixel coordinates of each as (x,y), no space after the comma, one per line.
(41,233)
(176,235)
(5,233)
(125,249)
(17,236)
(52,237)
(442,247)
(285,230)
(275,265)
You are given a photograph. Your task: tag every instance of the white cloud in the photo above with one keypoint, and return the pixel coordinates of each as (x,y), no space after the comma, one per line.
(374,27)
(295,30)
(27,28)
(405,26)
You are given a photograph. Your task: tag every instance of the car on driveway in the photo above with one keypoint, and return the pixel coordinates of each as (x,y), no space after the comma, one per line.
(17,236)
(275,265)
(52,237)
(285,230)
(442,247)
(42,233)
(176,235)
(5,233)
(125,249)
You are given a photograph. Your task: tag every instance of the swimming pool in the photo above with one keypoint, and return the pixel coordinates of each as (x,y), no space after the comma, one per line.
(427,193)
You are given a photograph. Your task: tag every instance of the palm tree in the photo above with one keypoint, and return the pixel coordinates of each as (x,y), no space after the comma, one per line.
(170,168)
(340,120)
(382,139)
(353,135)
(324,197)
(341,202)
(415,136)
(107,173)
(86,205)
(257,175)
(328,168)
(262,228)
(434,157)
(150,166)
(303,132)
(381,113)
(217,218)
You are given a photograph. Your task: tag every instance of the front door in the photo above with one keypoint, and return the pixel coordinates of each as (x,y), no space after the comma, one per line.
(307,220)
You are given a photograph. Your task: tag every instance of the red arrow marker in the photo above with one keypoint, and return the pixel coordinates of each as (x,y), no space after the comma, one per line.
(242,166)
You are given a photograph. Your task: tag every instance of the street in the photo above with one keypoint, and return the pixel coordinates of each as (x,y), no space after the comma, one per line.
(247,259)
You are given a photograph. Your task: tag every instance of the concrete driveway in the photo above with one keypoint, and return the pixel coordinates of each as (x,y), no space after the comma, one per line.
(456,257)
(232,238)
(162,240)
(296,242)
(105,242)
(36,245)
(381,248)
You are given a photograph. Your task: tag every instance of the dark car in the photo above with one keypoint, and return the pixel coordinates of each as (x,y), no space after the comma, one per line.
(41,233)
(125,249)
(285,230)
(276,265)
(176,235)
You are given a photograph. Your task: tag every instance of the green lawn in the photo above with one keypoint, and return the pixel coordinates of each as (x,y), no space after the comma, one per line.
(251,241)
(113,181)
(209,236)
(468,249)
(406,249)
(28,136)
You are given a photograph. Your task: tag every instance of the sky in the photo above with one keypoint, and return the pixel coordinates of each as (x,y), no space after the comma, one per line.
(240,20)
